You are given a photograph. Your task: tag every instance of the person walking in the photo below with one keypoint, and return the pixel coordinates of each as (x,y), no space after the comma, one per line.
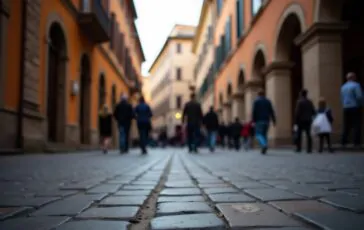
(236,128)
(246,134)
(105,128)
(304,114)
(325,130)
(211,122)
(263,113)
(192,115)
(222,134)
(143,115)
(124,114)
(352,102)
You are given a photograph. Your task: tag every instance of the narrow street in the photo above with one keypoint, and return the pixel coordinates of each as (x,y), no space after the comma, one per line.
(171,189)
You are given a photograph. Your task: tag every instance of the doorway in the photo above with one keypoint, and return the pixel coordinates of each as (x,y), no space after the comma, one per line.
(85,100)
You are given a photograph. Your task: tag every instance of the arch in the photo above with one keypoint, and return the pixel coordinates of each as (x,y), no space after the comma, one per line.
(85,99)
(293,11)
(241,78)
(229,91)
(259,62)
(56,82)
(221,100)
(102,90)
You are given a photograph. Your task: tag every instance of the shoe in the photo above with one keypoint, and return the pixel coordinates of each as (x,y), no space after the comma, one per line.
(264,150)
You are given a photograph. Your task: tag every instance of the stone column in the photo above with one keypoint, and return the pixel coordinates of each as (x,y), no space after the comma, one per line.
(4,18)
(227,112)
(278,85)
(238,109)
(250,91)
(322,65)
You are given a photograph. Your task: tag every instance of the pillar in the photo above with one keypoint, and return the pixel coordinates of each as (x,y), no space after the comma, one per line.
(4,17)
(238,109)
(227,115)
(278,85)
(322,66)
(250,91)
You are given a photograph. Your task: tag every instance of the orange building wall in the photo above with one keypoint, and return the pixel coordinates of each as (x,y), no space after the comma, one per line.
(13,56)
(263,31)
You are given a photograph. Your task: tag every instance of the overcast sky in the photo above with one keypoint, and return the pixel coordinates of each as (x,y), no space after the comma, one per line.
(156,19)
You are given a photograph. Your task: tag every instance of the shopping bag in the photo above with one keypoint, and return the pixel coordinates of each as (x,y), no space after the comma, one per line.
(321,124)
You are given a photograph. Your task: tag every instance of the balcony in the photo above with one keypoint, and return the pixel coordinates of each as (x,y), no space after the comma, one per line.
(94,21)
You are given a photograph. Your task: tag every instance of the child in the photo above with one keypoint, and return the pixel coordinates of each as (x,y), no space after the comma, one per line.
(325,130)
(245,133)
(105,128)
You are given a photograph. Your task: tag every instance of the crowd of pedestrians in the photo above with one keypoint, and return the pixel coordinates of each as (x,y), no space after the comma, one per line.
(307,120)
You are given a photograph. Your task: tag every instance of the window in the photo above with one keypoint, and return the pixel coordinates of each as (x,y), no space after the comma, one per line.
(111,42)
(239,18)
(179,48)
(219,6)
(256,5)
(179,102)
(179,74)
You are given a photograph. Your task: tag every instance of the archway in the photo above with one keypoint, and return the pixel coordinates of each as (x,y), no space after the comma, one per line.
(102,91)
(85,100)
(259,64)
(241,81)
(287,51)
(228,110)
(56,98)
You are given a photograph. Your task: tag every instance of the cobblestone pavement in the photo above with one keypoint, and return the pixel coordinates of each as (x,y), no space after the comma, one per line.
(171,189)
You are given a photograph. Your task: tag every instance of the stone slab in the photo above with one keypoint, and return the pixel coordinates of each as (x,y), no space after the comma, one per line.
(336,220)
(271,194)
(213,185)
(118,181)
(133,193)
(18,201)
(70,206)
(80,186)
(94,225)
(162,199)
(250,185)
(210,181)
(291,207)
(121,213)
(180,191)
(180,185)
(13,211)
(340,186)
(220,190)
(353,203)
(124,201)
(145,182)
(230,198)
(104,188)
(306,190)
(205,221)
(33,223)
(179,208)
(138,187)
(253,215)
(56,193)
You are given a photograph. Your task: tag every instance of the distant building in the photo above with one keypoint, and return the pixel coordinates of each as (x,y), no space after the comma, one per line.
(171,78)
(60,61)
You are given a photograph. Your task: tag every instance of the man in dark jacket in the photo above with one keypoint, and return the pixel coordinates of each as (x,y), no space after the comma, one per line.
(143,115)
(304,113)
(236,128)
(211,122)
(263,113)
(192,115)
(124,114)
(222,134)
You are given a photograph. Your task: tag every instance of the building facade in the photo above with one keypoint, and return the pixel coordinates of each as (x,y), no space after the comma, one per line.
(61,60)
(203,48)
(284,46)
(171,78)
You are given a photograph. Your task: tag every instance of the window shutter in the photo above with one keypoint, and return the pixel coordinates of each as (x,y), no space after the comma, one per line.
(219,6)
(115,36)
(112,31)
(239,17)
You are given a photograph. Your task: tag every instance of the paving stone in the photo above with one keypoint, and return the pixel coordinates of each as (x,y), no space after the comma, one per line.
(211,181)
(339,186)
(120,182)
(18,201)
(352,192)
(180,191)
(220,190)
(69,206)
(80,186)
(275,182)
(122,213)
(252,215)
(180,199)
(213,185)
(32,223)
(146,182)
(235,178)
(230,198)
(190,221)
(104,188)
(178,208)
(291,207)
(56,193)
(94,225)
(336,220)
(247,185)
(306,190)
(124,201)
(180,185)
(353,203)
(138,187)
(13,211)
(133,193)
(271,194)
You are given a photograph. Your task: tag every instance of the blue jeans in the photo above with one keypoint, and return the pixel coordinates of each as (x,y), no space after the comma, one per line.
(261,132)
(124,137)
(192,136)
(211,137)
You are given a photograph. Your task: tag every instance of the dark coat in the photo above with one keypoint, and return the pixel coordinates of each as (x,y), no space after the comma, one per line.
(105,125)
(263,110)
(211,121)
(236,128)
(305,111)
(193,112)
(124,113)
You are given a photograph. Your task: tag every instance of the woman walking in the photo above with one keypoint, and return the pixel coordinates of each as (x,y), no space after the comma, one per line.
(105,128)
